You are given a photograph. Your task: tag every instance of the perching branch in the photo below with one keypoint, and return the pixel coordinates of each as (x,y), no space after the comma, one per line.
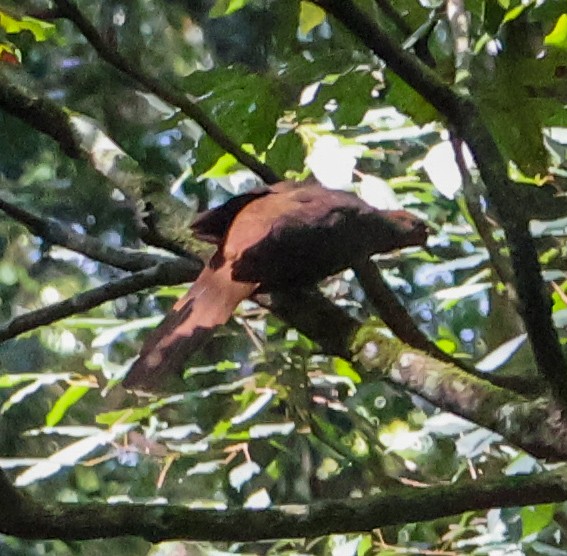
(173,96)
(23,517)
(463,114)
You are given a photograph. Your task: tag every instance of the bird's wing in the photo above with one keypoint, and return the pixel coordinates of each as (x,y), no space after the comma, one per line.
(190,323)
(212,225)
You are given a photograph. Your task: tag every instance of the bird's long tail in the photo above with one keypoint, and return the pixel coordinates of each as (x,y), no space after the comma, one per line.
(191,322)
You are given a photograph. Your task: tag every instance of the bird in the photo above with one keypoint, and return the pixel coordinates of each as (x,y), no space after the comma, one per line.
(280,238)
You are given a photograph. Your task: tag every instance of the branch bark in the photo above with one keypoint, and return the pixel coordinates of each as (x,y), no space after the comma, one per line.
(23,517)
(54,232)
(169,273)
(537,426)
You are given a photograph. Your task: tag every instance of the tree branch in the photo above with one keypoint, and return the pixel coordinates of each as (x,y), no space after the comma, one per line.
(537,426)
(80,137)
(393,313)
(54,232)
(499,262)
(22,517)
(462,112)
(168,273)
(174,97)
(40,113)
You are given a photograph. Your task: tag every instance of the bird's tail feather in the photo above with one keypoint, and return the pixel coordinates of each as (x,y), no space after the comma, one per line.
(190,323)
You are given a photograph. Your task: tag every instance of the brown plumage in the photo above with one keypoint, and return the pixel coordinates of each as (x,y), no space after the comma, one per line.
(281,238)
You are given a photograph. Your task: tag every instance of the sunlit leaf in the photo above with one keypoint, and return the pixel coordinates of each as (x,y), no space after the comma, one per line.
(345,369)
(226,7)
(536,518)
(41,30)
(447,423)
(109,335)
(43,380)
(241,474)
(258,500)
(205,468)
(558,36)
(271,429)
(501,354)
(72,431)
(129,415)
(310,16)
(451,296)
(254,408)
(71,396)
(180,432)
(69,455)
(474,443)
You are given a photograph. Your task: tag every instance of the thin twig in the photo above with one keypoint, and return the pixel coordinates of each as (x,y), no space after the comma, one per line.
(393,313)
(499,262)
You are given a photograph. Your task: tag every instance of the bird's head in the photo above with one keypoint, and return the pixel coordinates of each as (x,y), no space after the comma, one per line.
(404,229)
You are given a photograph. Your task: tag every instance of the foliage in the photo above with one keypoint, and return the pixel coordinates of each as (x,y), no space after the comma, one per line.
(266,418)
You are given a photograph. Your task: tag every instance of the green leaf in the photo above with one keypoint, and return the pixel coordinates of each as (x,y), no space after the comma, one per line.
(350,93)
(409,101)
(310,16)
(246,106)
(447,345)
(41,30)
(129,415)
(226,7)
(536,518)
(254,408)
(558,36)
(286,153)
(69,398)
(344,368)
(519,96)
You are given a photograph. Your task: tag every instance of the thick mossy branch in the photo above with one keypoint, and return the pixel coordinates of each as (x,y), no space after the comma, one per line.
(534,425)
(25,518)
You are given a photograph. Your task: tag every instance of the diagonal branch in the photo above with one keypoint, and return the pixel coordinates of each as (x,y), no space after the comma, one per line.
(171,95)
(463,114)
(499,262)
(53,231)
(393,313)
(169,273)
(535,425)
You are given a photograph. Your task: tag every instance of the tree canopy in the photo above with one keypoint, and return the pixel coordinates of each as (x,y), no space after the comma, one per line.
(413,404)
